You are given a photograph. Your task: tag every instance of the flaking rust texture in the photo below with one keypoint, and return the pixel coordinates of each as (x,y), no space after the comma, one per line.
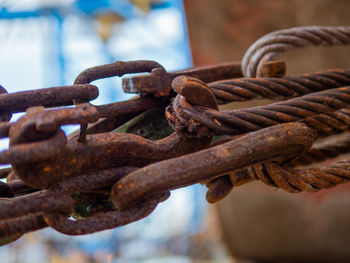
(126,158)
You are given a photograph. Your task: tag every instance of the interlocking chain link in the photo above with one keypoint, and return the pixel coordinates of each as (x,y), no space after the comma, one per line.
(126,159)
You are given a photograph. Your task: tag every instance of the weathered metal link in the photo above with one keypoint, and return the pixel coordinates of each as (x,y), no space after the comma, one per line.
(44,149)
(158,82)
(286,178)
(283,142)
(36,221)
(39,124)
(218,188)
(108,176)
(48,97)
(57,202)
(195,91)
(118,68)
(104,221)
(273,44)
(91,181)
(15,227)
(20,215)
(36,202)
(38,132)
(39,127)
(188,87)
(242,89)
(99,152)
(122,108)
(104,151)
(56,199)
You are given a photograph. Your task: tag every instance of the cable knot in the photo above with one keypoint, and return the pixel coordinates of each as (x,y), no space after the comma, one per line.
(192,93)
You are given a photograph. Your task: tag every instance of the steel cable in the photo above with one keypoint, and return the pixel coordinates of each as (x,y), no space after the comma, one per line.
(322,152)
(266,154)
(296,180)
(242,89)
(273,44)
(321,111)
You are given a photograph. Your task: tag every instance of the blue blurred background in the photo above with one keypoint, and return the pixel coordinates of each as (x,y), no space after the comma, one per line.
(48,43)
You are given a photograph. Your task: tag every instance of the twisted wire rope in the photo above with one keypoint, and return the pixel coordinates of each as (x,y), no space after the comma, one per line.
(242,89)
(323,111)
(296,180)
(322,152)
(273,44)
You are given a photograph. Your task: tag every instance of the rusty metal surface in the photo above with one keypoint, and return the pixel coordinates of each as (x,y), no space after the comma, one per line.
(49,97)
(159,81)
(189,119)
(126,158)
(267,144)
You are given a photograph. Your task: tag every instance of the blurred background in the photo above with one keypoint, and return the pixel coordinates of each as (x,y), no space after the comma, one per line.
(48,43)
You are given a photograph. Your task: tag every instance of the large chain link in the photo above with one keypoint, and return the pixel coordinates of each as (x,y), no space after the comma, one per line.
(126,158)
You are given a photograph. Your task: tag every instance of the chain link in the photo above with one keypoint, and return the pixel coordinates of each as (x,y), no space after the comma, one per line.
(105,177)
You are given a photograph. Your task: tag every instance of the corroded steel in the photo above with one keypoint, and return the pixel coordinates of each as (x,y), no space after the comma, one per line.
(187,118)
(48,97)
(118,68)
(278,142)
(159,81)
(126,158)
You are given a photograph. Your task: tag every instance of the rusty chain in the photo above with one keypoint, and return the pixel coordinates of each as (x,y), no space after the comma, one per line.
(115,170)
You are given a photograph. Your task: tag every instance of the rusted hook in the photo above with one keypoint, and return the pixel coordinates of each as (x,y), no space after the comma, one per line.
(279,143)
